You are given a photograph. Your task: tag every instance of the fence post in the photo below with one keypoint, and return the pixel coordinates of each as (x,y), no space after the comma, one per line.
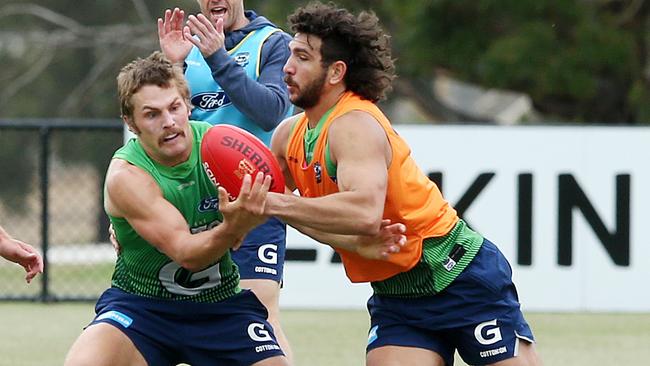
(45,182)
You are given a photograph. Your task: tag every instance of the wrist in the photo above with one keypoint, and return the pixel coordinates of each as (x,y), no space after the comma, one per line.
(230,234)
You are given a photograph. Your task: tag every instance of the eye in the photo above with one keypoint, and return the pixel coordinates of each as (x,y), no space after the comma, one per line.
(151,114)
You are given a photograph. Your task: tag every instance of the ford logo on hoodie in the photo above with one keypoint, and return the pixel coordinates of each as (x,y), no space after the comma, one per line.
(211,101)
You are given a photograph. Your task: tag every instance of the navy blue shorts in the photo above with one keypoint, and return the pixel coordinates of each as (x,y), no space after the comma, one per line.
(478,314)
(169,332)
(261,255)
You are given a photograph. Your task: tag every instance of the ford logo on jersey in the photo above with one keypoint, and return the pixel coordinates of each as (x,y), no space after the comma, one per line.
(209,204)
(210,101)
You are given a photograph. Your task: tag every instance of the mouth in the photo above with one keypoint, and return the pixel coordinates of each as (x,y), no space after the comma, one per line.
(290,83)
(170,137)
(218,11)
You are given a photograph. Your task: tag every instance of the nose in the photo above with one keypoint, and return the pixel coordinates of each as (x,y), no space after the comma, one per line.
(168,119)
(288,67)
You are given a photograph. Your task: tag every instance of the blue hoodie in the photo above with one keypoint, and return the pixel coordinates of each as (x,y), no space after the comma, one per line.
(265,101)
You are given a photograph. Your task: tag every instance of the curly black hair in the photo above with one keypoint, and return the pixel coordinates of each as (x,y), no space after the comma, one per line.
(359,41)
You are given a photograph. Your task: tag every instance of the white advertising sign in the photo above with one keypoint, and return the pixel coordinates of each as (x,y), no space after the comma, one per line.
(567,205)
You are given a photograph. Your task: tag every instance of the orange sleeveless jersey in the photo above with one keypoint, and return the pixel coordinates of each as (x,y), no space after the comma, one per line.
(411,197)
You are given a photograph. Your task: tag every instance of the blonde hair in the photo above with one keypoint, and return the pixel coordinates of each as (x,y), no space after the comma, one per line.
(153,70)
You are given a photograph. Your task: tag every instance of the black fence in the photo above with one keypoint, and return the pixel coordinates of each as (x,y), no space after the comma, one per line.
(51,181)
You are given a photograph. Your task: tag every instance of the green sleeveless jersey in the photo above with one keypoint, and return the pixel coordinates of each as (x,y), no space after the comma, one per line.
(443,259)
(143,270)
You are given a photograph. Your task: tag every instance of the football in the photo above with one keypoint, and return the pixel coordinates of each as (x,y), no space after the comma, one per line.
(229,152)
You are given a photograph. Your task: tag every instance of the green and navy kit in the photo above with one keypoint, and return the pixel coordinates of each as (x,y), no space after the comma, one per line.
(143,270)
(430,276)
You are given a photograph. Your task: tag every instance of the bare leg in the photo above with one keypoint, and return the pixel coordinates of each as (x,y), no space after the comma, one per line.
(403,356)
(103,345)
(527,356)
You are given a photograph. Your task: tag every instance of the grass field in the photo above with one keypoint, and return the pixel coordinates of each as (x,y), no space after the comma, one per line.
(40,334)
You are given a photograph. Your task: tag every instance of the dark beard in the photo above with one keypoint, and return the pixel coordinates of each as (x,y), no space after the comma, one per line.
(311,94)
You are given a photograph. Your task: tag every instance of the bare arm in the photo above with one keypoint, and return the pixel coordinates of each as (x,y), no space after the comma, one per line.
(24,254)
(389,240)
(360,149)
(132,194)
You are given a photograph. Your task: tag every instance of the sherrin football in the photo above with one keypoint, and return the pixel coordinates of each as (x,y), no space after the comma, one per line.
(229,152)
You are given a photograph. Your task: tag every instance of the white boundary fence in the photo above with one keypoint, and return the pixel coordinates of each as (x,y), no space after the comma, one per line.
(567,205)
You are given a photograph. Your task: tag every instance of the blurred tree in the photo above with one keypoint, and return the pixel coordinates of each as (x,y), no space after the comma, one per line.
(579,60)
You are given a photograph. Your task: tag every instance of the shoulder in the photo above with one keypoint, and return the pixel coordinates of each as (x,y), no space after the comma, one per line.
(289,123)
(126,185)
(277,40)
(123,177)
(285,127)
(355,120)
(356,127)
(283,131)
(280,36)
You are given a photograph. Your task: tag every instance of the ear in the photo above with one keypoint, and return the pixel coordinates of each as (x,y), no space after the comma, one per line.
(337,71)
(131,125)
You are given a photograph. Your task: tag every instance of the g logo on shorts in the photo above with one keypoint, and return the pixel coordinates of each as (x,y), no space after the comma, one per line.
(493,334)
(257,333)
(268,253)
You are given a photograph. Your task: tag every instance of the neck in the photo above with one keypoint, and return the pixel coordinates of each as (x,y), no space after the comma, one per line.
(240,22)
(327,101)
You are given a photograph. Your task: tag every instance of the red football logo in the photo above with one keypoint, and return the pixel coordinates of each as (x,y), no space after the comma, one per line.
(229,153)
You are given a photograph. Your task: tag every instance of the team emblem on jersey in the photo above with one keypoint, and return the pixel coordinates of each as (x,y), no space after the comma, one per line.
(318,170)
(242,58)
(211,101)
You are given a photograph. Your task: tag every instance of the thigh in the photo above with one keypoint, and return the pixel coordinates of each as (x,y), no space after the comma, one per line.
(526,356)
(104,345)
(403,356)
(273,361)
(261,255)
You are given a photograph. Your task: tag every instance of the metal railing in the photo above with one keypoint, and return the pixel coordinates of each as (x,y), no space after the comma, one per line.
(38,149)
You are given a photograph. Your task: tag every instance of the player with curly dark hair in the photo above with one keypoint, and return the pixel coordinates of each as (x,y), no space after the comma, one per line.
(445,289)
(357,41)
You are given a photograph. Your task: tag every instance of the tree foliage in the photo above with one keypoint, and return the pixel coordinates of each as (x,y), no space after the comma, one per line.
(579,60)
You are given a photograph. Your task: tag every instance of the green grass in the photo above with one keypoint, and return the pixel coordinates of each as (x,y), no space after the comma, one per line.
(40,334)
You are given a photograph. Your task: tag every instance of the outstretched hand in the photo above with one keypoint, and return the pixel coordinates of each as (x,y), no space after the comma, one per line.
(203,34)
(23,254)
(171,37)
(388,241)
(247,211)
